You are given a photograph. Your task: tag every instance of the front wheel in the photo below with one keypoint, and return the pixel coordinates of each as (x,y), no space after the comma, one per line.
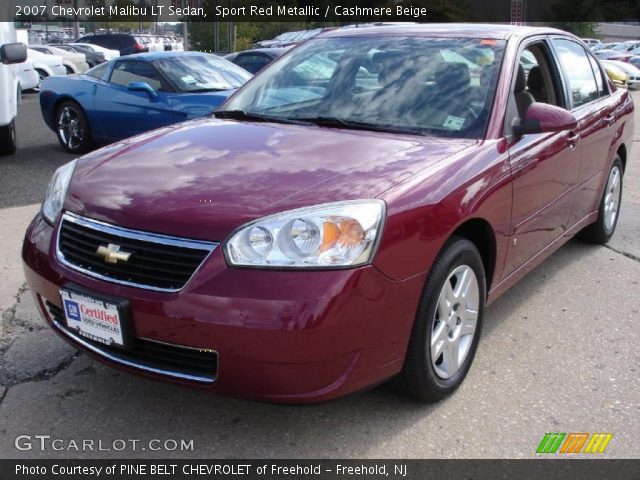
(604,227)
(447,326)
(72,128)
(8,143)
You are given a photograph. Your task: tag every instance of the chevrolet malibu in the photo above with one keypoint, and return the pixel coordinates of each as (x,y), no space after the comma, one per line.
(342,220)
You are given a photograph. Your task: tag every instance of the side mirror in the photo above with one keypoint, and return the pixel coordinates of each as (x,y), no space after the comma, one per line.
(142,87)
(545,118)
(13,53)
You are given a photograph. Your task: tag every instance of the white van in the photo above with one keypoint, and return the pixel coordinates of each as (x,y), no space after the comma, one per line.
(10,54)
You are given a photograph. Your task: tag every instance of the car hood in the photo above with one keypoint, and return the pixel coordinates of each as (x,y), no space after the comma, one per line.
(204,178)
(43,59)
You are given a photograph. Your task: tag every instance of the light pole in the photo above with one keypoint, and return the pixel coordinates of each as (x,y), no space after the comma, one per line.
(76,24)
(185,29)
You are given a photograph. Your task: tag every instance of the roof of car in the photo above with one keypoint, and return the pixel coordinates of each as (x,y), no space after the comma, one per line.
(275,50)
(150,56)
(468,30)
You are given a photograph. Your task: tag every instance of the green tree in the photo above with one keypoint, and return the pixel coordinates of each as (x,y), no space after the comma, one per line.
(576,16)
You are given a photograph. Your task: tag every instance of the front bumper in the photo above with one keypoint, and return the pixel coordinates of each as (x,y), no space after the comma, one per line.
(280,336)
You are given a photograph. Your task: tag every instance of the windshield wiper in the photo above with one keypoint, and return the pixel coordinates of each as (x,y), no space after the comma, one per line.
(257,117)
(205,90)
(336,122)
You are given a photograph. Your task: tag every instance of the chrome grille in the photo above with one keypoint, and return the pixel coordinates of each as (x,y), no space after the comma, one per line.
(157,262)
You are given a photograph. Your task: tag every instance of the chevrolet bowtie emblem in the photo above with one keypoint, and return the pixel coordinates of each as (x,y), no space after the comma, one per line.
(112,253)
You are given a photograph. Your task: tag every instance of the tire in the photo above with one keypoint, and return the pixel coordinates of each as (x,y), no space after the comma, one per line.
(8,143)
(604,227)
(69,70)
(428,378)
(72,128)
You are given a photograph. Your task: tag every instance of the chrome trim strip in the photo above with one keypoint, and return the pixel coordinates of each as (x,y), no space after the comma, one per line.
(128,363)
(134,235)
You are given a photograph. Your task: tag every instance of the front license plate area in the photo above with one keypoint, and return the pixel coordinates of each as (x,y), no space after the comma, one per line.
(103,320)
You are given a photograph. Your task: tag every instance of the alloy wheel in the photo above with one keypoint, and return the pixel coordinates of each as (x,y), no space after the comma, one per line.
(70,127)
(455,320)
(612,198)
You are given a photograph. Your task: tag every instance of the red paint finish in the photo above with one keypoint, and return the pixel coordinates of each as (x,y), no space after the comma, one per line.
(551,118)
(306,336)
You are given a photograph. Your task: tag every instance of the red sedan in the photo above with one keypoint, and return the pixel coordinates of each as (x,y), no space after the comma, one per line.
(345,217)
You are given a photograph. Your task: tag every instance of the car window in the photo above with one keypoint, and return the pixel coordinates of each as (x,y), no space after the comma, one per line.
(99,72)
(577,71)
(417,84)
(541,83)
(597,73)
(252,62)
(128,71)
(198,73)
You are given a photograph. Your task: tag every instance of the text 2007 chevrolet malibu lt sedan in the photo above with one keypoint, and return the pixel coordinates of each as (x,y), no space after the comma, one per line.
(343,220)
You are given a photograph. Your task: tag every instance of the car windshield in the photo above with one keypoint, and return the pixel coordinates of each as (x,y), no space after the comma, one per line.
(197,73)
(437,86)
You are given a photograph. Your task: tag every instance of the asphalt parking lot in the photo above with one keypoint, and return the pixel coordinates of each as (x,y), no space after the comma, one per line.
(559,353)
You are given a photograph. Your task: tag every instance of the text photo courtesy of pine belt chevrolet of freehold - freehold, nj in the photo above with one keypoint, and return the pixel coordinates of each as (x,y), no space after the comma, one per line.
(418,219)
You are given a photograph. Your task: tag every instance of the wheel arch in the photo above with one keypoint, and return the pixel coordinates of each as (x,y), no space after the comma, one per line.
(71,66)
(44,69)
(622,152)
(479,232)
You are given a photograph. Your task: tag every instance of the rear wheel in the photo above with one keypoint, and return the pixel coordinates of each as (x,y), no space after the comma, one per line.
(8,142)
(447,326)
(72,128)
(604,227)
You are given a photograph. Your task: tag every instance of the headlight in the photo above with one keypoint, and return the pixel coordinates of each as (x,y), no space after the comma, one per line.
(330,235)
(57,192)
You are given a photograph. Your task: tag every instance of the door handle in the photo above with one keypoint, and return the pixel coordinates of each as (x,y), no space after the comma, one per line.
(572,140)
(610,119)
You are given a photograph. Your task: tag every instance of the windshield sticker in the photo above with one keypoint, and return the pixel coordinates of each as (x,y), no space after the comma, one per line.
(453,123)
(188,79)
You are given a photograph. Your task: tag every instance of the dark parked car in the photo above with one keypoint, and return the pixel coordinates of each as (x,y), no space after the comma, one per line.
(125,43)
(342,220)
(136,93)
(255,60)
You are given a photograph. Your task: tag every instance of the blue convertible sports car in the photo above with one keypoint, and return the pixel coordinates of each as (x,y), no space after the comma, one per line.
(135,93)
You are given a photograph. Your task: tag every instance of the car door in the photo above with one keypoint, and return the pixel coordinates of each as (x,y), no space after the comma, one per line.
(123,112)
(592,106)
(544,166)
